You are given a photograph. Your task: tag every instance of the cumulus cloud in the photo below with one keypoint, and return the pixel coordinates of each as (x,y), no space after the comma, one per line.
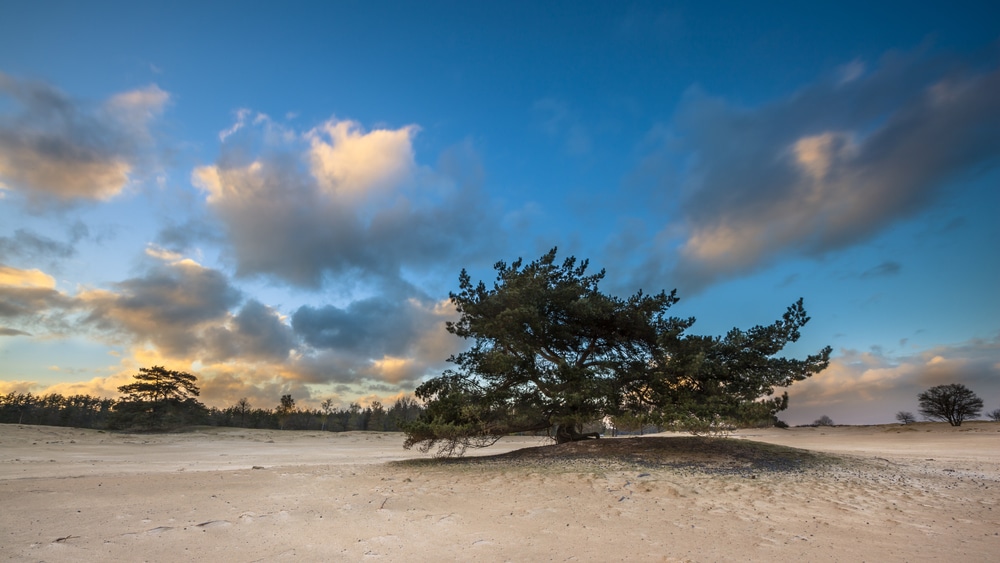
(829,166)
(337,201)
(353,164)
(871,387)
(54,149)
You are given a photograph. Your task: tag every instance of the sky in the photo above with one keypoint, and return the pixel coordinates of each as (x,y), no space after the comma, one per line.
(278,197)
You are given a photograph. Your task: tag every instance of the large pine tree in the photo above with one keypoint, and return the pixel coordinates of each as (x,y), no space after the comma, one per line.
(551,351)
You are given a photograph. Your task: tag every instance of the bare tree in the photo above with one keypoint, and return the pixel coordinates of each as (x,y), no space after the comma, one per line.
(994,415)
(905,417)
(954,402)
(243,409)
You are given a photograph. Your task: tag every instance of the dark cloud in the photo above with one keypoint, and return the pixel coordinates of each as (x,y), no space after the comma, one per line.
(4,331)
(831,165)
(257,332)
(26,302)
(56,150)
(887,268)
(377,339)
(183,236)
(30,303)
(26,244)
(371,327)
(168,307)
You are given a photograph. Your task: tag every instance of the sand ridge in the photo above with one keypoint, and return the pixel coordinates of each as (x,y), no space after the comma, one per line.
(881,493)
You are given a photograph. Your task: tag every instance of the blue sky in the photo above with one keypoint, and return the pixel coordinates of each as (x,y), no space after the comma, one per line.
(278,197)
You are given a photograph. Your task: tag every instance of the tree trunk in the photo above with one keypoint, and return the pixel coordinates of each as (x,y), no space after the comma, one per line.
(571,433)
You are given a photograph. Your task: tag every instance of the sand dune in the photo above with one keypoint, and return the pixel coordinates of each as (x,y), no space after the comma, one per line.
(879,493)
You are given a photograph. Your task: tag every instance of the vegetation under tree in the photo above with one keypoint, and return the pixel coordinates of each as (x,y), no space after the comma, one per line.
(550,351)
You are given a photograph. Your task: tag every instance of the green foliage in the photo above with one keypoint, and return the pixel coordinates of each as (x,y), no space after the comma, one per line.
(84,411)
(953,402)
(158,399)
(551,351)
(157,384)
(81,411)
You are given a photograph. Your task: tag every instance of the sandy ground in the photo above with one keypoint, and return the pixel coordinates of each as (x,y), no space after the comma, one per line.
(887,493)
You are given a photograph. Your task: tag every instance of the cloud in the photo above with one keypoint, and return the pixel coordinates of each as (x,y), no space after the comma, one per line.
(29,299)
(26,244)
(826,167)
(14,277)
(871,387)
(56,150)
(257,332)
(262,389)
(7,387)
(380,338)
(887,268)
(352,164)
(4,331)
(169,307)
(338,202)
(183,314)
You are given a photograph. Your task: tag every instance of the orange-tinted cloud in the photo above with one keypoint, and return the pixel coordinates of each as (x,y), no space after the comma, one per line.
(870,387)
(59,150)
(828,167)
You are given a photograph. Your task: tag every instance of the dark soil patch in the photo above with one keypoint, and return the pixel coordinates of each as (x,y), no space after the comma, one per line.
(686,453)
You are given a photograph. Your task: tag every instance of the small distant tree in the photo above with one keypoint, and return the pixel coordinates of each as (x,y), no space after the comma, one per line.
(327,407)
(285,410)
(953,402)
(823,421)
(243,408)
(905,417)
(377,417)
(994,415)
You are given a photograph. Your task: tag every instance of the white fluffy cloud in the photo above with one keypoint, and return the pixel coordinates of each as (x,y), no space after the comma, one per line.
(339,202)
(352,164)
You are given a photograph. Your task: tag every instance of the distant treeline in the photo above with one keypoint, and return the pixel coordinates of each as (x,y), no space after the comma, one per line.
(84,411)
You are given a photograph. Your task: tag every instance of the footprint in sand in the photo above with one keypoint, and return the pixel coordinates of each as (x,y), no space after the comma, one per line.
(214,524)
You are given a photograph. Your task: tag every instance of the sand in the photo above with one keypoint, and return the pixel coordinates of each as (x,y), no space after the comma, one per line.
(877,493)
